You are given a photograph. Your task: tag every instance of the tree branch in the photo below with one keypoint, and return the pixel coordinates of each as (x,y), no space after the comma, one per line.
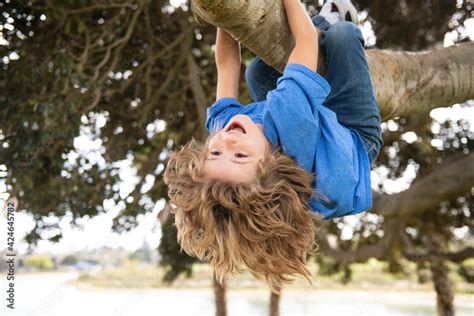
(426,255)
(404,82)
(378,250)
(445,182)
(198,93)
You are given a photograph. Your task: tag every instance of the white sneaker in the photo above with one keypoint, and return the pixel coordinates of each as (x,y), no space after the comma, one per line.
(347,10)
(339,10)
(330,12)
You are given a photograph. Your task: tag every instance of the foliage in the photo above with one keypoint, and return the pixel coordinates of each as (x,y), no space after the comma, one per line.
(395,22)
(41,262)
(466,270)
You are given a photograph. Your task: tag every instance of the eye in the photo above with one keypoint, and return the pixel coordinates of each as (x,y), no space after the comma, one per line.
(239,155)
(215,153)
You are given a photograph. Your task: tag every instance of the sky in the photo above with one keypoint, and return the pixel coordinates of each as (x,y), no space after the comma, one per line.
(96,232)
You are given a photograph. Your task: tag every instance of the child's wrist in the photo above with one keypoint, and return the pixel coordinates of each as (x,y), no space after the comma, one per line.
(228,68)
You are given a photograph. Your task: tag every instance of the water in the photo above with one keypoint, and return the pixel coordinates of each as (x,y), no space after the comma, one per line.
(50,294)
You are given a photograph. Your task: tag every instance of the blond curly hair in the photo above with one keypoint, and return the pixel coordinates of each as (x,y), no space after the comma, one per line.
(265,225)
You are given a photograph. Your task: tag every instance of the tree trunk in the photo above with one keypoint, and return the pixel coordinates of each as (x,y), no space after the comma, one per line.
(443,288)
(219,296)
(274,304)
(404,82)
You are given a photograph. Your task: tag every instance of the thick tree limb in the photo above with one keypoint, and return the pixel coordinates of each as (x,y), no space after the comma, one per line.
(378,250)
(410,83)
(446,181)
(410,253)
(404,82)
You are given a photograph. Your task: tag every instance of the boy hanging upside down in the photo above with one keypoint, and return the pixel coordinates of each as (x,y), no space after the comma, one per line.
(250,195)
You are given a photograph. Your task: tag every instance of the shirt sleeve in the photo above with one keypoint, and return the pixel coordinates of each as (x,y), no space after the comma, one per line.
(220,111)
(291,113)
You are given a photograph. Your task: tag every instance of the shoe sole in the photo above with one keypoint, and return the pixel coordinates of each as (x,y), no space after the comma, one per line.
(351,13)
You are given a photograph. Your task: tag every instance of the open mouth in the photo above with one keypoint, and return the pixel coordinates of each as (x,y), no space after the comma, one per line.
(236,127)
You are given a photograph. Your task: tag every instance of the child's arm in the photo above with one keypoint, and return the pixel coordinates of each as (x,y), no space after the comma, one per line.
(228,65)
(306,37)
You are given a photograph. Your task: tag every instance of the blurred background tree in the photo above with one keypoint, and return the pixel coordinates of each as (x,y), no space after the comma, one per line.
(135,77)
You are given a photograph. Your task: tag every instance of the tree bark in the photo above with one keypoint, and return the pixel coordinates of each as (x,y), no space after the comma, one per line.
(441,281)
(443,287)
(404,82)
(414,83)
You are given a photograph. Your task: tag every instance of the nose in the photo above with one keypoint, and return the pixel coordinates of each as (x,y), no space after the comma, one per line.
(229,141)
(229,138)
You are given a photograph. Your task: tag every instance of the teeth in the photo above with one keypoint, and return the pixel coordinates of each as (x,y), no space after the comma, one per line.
(238,128)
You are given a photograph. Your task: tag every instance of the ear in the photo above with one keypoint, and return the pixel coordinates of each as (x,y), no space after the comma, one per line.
(271,157)
(270,154)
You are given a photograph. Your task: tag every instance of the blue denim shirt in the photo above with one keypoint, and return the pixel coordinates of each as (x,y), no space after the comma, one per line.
(294,119)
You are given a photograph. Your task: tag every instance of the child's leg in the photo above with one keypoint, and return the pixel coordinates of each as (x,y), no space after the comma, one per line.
(352,97)
(260,78)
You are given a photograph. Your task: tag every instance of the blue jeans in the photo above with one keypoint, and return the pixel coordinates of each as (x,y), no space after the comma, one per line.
(352,96)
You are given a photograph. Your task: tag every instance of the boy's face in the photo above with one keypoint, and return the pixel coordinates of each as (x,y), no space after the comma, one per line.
(234,152)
